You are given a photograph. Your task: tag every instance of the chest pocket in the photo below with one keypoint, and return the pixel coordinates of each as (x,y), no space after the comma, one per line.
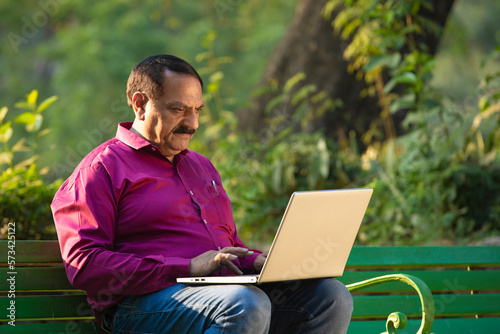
(222,204)
(213,201)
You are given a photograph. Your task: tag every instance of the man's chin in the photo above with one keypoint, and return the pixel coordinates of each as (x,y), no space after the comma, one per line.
(177,147)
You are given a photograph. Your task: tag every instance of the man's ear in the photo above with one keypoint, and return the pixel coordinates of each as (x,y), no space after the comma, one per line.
(139,101)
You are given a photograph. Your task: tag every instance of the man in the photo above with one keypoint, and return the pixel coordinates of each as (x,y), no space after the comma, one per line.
(141,210)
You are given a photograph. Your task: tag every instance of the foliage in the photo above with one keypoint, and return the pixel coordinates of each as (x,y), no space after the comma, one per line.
(443,180)
(25,200)
(382,44)
(24,195)
(438,181)
(84,54)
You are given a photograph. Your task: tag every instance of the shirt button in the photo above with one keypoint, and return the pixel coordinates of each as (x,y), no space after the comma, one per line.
(191,192)
(153,149)
(205,221)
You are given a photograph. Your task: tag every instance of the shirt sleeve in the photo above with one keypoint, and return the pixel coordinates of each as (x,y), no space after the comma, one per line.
(85,213)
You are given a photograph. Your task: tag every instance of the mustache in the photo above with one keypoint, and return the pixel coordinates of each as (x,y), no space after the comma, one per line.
(185,129)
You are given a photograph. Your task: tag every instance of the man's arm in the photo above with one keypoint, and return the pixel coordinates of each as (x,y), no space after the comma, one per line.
(85,212)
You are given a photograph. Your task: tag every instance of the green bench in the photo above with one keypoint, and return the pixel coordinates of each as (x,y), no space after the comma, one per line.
(465,283)
(464,280)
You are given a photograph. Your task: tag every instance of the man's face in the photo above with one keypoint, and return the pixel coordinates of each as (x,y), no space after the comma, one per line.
(170,121)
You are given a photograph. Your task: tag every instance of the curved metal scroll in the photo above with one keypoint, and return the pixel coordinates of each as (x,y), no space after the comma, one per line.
(398,319)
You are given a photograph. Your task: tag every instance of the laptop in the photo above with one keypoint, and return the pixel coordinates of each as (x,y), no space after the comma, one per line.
(314,239)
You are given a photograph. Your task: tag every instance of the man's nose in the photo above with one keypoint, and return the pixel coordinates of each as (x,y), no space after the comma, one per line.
(191,119)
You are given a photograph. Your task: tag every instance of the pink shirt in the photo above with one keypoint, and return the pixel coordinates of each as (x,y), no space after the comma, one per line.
(129,221)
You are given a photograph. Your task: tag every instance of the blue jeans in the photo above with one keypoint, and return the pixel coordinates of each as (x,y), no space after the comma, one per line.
(308,306)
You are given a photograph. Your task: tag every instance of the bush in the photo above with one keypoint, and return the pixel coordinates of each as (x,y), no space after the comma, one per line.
(25,196)
(25,200)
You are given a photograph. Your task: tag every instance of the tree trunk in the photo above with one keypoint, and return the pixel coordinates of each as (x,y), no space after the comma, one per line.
(311,46)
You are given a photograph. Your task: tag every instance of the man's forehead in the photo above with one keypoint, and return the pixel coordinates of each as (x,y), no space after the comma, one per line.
(169,75)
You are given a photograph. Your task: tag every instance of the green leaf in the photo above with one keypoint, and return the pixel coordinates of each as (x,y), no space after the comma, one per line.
(22,105)
(6,158)
(408,78)
(391,61)
(5,132)
(38,123)
(46,103)
(217,76)
(44,132)
(273,103)
(224,60)
(27,162)
(213,87)
(32,97)
(19,146)
(293,81)
(208,39)
(3,113)
(405,102)
(483,103)
(408,29)
(302,94)
(27,118)
(201,56)
(428,66)
(350,27)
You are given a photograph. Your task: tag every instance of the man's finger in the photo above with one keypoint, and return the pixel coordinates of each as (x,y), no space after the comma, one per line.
(231,266)
(225,259)
(220,257)
(237,251)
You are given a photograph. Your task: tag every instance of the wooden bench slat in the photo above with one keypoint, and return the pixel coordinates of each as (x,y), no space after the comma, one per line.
(467,325)
(414,256)
(452,305)
(37,278)
(440,326)
(33,251)
(444,280)
(54,278)
(446,305)
(58,327)
(29,307)
(48,307)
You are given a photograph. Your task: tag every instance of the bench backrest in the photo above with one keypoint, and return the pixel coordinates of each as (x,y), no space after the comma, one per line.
(41,298)
(465,282)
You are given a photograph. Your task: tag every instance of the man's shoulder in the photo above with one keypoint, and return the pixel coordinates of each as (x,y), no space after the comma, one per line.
(103,152)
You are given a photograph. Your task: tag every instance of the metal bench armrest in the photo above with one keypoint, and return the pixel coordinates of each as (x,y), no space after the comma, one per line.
(398,319)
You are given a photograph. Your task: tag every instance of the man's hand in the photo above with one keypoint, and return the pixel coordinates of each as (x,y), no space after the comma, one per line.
(213,260)
(259,261)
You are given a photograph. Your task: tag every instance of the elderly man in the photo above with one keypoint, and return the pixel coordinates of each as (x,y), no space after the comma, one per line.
(141,210)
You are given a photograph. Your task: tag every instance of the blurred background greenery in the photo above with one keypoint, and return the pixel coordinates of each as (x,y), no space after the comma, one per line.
(430,146)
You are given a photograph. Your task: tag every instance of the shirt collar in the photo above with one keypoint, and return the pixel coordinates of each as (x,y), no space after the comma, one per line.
(129,138)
